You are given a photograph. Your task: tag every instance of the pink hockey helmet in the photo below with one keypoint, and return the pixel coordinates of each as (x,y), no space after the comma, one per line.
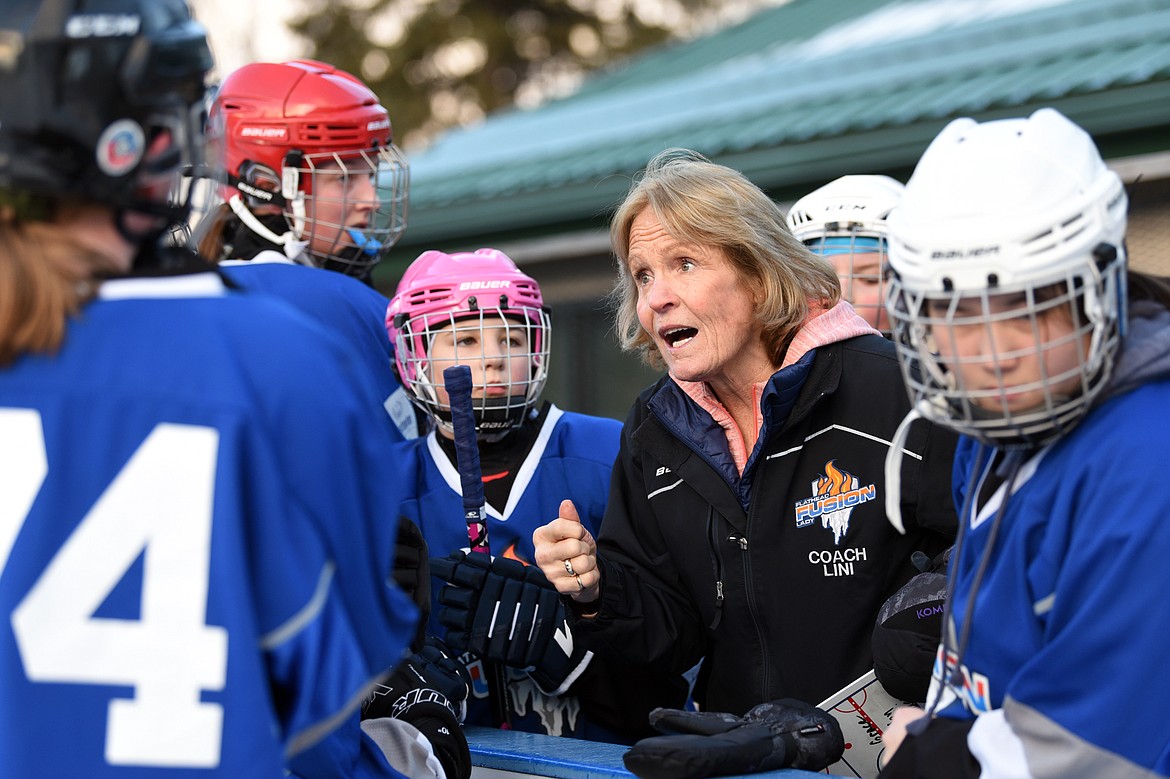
(468,291)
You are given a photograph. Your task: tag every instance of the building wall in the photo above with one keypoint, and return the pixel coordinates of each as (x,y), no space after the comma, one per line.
(1149,226)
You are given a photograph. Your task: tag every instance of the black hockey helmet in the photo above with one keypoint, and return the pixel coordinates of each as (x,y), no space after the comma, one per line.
(101,100)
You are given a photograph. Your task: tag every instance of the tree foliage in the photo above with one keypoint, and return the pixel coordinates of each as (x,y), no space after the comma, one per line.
(442,63)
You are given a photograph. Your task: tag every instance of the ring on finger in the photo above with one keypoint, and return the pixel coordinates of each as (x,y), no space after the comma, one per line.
(569,568)
(579,584)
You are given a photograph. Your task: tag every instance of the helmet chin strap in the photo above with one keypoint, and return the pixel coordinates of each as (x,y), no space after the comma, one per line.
(893,466)
(293,248)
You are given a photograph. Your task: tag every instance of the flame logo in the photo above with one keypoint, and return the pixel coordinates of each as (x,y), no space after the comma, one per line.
(835,495)
(834,481)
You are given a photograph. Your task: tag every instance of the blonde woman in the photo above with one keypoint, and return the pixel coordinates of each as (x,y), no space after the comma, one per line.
(745,525)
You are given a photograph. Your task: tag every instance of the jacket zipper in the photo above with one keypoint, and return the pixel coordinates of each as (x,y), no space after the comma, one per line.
(751,605)
(717,563)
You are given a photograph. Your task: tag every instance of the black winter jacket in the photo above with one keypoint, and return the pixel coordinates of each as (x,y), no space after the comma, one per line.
(780,598)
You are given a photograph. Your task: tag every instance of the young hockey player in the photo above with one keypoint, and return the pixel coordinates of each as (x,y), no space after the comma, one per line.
(1011,313)
(478,309)
(313,181)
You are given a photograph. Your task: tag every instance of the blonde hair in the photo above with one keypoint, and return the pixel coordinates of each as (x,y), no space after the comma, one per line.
(699,201)
(46,276)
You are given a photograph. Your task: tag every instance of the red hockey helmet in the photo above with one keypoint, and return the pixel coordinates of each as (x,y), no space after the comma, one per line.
(285,129)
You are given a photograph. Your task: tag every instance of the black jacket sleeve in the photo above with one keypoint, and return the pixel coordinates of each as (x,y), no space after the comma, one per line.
(645,618)
(621,695)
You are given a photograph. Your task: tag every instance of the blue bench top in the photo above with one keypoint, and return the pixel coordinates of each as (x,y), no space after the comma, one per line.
(530,754)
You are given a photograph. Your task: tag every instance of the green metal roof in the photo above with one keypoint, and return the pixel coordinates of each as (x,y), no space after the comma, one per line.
(800,93)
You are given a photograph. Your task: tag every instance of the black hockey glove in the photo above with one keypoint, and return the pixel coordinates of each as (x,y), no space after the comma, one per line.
(428,690)
(908,630)
(412,573)
(507,612)
(782,734)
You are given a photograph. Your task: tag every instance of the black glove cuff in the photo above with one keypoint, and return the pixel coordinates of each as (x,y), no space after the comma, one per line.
(448,743)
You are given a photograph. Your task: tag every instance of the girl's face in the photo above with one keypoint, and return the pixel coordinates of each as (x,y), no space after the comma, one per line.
(861,275)
(496,349)
(344,198)
(1008,354)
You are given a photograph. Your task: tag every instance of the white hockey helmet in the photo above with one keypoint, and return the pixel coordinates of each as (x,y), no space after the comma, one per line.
(850,205)
(843,219)
(1020,210)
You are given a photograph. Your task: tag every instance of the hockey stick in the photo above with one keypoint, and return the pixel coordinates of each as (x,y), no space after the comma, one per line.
(457,380)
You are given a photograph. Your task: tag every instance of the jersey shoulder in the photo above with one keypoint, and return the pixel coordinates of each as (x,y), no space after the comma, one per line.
(583,436)
(308,287)
(198,339)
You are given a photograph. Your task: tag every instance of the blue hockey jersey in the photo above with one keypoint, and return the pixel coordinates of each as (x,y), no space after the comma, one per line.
(346,307)
(572,458)
(195,506)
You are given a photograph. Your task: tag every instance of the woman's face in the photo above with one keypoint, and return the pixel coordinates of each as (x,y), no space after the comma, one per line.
(697,309)
(497,352)
(1009,357)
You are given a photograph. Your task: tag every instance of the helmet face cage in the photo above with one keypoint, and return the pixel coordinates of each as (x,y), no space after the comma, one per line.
(321,210)
(1015,366)
(488,340)
(476,309)
(1007,293)
(861,260)
(173,157)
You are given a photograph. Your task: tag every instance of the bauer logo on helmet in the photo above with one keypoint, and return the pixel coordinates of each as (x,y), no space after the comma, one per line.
(270,133)
(958,254)
(103,25)
(495,284)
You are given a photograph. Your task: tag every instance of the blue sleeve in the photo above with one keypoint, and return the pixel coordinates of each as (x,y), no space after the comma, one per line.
(366,762)
(1071,624)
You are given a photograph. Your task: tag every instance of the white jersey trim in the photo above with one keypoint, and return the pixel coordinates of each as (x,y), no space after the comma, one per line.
(266,257)
(1027,471)
(527,468)
(307,613)
(997,748)
(524,473)
(195,285)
